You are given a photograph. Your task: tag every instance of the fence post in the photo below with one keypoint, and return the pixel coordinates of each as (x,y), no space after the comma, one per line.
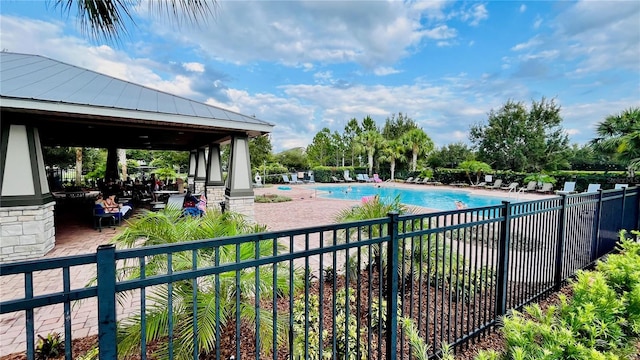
(560,245)
(595,252)
(106,266)
(503,259)
(392,286)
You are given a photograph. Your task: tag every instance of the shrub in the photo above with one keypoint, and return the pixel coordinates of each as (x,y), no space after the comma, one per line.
(49,347)
(600,321)
(271,198)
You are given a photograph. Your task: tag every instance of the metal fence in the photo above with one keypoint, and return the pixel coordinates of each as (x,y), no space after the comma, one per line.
(374,289)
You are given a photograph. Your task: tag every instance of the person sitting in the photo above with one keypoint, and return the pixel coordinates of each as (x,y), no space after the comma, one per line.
(111,206)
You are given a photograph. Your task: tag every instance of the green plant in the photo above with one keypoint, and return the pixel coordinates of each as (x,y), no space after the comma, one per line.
(419,348)
(541,178)
(49,347)
(167,227)
(307,340)
(346,335)
(271,198)
(329,274)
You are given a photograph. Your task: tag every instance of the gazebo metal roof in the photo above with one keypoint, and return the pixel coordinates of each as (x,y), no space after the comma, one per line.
(72,106)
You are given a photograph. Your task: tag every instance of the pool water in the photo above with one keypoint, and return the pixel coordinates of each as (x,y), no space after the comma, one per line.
(433,198)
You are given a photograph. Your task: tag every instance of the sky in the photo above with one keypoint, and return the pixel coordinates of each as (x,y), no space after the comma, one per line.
(307,65)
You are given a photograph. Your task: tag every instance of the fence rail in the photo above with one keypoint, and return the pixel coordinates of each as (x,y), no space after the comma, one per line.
(364,288)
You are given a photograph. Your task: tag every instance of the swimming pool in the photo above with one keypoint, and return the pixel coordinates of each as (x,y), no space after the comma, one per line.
(434,198)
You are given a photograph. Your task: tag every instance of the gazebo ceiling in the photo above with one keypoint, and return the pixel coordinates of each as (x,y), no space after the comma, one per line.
(76,107)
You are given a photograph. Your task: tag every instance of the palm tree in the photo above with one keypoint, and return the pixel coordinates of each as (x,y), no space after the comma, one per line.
(620,135)
(169,226)
(370,140)
(107,18)
(474,167)
(392,151)
(419,143)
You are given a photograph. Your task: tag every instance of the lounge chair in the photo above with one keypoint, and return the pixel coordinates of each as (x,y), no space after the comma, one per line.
(367,178)
(312,179)
(569,188)
(496,185)
(479,185)
(301,176)
(347,177)
(621,186)
(511,187)
(546,188)
(409,179)
(376,178)
(592,188)
(294,179)
(431,182)
(285,179)
(459,184)
(335,179)
(415,180)
(531,185)
(360,178)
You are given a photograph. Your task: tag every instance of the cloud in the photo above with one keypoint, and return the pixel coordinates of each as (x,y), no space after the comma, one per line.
(383,70)
(194,66)
(523,8)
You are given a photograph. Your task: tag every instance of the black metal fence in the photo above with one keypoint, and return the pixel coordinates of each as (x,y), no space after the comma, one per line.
(379,289)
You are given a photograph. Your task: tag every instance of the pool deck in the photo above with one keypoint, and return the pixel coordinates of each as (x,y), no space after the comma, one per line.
(73,238)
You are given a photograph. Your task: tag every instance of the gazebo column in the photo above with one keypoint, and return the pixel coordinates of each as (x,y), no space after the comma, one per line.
(26,204)
(200,179)
(238,194)
(215,182)
(111,171)
(191,174)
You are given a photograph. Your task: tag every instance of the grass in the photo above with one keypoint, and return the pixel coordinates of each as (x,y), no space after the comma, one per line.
(271,198)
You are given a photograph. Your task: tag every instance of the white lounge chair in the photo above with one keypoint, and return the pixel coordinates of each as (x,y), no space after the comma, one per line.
(593,188)
(546,188)
(347,177)
(531,185)
(621,186)
(496,185)
(569,188)
(294,179)
(511,187)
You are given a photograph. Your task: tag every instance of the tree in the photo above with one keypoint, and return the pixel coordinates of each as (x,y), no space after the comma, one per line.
(260,151)
(619,135)
(293,159)
(475,167)
(318,151)
(396,126)
(351,132)
(450,156)
(520,139)
(107,19)
(370,140)
(392,152)
(368,124)
(339,146)
(418,143)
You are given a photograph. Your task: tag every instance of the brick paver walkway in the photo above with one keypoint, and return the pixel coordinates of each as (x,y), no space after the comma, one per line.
(74,237)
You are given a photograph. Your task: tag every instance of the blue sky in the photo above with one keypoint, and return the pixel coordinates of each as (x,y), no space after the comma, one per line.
(308,65)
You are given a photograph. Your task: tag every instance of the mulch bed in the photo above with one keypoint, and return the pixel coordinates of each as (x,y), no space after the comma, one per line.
(442,319)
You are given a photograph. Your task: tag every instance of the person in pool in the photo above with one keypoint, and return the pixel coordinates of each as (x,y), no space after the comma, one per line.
(460,205)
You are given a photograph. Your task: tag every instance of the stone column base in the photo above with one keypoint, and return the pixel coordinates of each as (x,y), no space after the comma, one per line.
(199,187)
(215,195)
(27,232)
(241,205)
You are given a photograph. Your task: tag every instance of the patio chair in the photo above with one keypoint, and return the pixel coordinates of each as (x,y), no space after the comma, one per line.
(415,181)
(360,178)
(511,187)
(409,179)
(592,188)
(376,178)
(311,180)
(496,185)
(335,179)
(531,185)
(301,176)
(569,188)
(99,215)
(347,177)
(367,178)
(294,179)
(479,185)
(431,182)
(285,179)
(546,188)
(620,186)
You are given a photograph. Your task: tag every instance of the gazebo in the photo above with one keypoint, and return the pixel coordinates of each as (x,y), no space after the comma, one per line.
(44,102)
